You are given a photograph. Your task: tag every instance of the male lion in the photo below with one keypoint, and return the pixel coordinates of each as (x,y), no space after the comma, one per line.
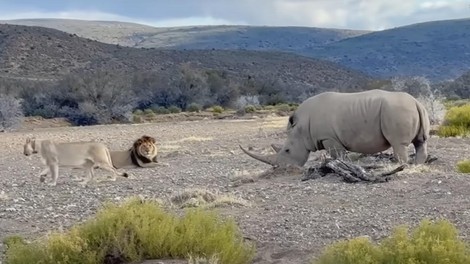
(84,155)
(143,154)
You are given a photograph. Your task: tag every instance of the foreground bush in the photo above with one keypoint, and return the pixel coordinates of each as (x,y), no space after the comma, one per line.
(457,122)
(463,166)
(135,231)
(429,243)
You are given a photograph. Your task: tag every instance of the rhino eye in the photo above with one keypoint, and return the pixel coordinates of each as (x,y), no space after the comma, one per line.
(287,150)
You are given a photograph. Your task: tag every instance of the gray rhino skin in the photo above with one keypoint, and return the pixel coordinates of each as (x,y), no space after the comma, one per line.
(364,122)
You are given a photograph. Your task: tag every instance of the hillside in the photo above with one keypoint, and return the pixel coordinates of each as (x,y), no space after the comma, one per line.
(195,37)
(438,50)
(37,52)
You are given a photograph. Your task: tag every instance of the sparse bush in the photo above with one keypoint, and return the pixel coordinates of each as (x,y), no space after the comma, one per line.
(463,166)
(193,107)
(137,119)
(217,109)
(159,110)
(283,107)
(250,109)
(434,243)
(11,113)
(149,111)
(269,107)
(135,231)
(138,112)
(456,122)
(451,131)
(174,109)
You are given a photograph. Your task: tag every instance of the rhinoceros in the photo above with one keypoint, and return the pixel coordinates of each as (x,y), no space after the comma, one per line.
(363,122)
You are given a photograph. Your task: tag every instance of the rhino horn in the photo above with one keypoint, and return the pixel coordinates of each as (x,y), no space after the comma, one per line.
(268,159)
(276,148)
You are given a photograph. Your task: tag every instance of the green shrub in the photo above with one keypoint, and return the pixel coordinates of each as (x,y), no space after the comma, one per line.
(458,116)
(456,121)
(250,109)
(269,107)
(174,109)
(138,112)
(148,111)
(451,131)
(217,109)
(463,166)
(193,107)
(135,231)
(429,243)
(283,107)
(160,110)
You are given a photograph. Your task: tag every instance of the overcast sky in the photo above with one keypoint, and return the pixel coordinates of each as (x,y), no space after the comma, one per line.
(353,14)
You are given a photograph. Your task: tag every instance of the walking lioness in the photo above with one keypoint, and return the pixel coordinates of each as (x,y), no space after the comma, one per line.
(84,155)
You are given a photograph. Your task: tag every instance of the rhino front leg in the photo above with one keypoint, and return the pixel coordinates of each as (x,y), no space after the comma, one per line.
(334,148)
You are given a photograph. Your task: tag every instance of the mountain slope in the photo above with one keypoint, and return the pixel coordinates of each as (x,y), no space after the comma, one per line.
(37,52)
(438,50)
(195,37)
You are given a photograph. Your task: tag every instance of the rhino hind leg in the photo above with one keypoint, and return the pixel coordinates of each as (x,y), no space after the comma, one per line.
(400,152)
(421,150)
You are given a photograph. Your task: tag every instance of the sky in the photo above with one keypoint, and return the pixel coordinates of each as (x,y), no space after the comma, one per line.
(346,14)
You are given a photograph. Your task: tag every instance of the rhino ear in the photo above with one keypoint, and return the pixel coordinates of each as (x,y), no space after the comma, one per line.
(292,120)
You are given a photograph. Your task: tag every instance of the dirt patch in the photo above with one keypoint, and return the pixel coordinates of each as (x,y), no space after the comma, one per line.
(289,220)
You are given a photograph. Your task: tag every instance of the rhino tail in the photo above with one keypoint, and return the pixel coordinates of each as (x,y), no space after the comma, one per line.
(423,133)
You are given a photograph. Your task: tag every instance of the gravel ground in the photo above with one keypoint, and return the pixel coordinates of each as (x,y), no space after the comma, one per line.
(290,220)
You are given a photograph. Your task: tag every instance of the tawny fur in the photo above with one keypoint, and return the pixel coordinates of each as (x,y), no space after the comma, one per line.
(142,154)
(83,155)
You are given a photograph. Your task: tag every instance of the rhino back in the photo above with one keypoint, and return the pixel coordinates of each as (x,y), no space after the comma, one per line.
(352,119)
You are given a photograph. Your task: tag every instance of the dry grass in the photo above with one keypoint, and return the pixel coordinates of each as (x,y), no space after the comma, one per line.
(191,139)
(206,199)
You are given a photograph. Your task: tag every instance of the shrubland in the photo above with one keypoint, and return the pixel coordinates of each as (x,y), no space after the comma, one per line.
(104,97)
(429,243)
(134,231)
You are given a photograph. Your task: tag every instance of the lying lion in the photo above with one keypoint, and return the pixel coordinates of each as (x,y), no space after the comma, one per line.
(142,154)
(84,155)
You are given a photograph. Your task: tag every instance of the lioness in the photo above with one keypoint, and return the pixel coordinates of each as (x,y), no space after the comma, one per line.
(84,155)
(143,153)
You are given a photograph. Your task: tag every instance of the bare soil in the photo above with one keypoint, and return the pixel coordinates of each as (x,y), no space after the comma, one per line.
(289,220)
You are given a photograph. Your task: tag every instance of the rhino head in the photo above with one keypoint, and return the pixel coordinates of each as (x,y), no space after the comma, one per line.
(294,150)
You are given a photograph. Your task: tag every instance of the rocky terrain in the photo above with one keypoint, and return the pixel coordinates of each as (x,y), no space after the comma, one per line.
(289,220)
(39,53)
(438,50)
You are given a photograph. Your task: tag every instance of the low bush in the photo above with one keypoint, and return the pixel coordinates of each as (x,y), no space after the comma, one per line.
(138,112)
(250,109)
(11,112)
(149,111)
(217,109)
(160,110)
(174,109)
(451,131)
(456,122)
(430,243)
(283,107)
(134,231)
(463,166)
(193,107)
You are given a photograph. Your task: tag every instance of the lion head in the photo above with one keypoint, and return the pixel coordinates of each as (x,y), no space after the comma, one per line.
(145,148)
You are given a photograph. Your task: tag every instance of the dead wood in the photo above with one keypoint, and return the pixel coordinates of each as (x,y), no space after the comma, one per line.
(350,172)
